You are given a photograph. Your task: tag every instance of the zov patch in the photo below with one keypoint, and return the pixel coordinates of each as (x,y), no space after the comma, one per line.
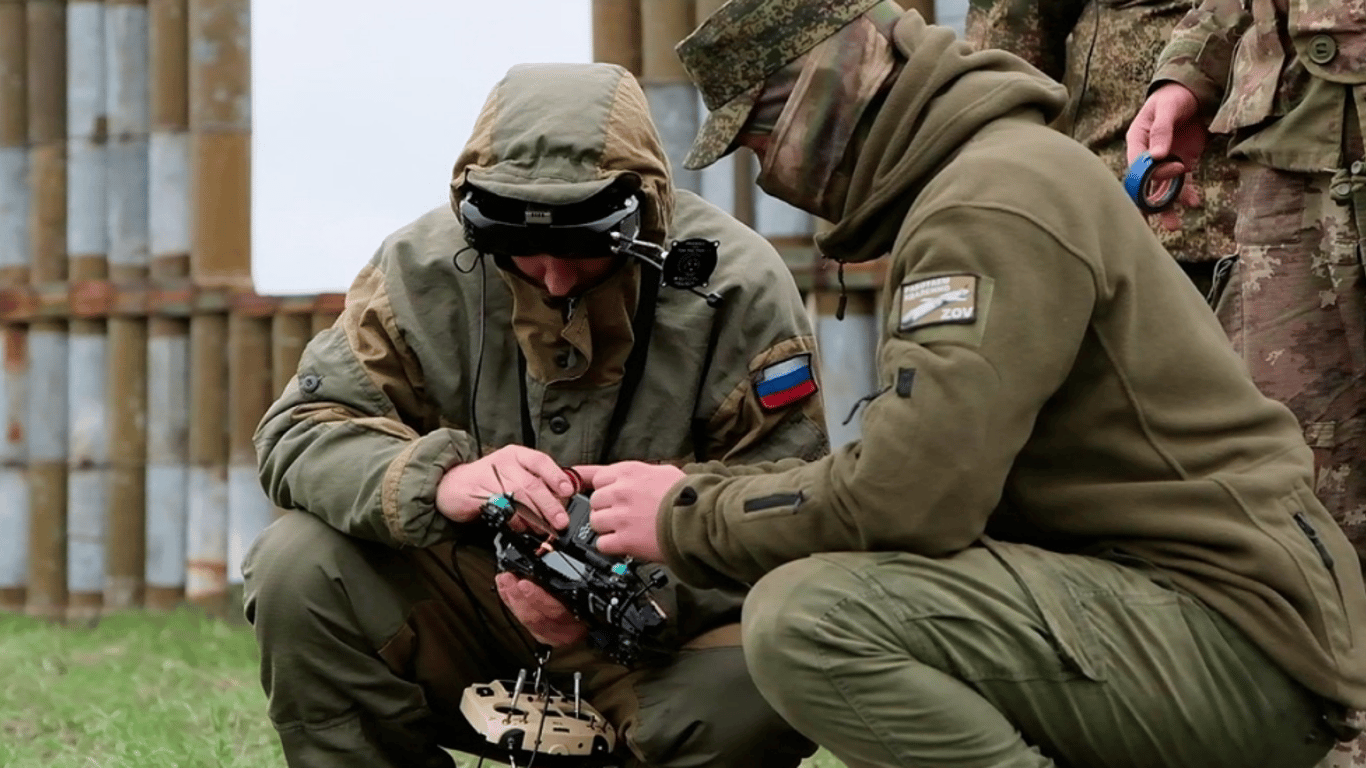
(786,382)
(937,300)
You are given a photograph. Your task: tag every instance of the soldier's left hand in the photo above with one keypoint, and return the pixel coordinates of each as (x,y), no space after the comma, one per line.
(543,616)
(626,499)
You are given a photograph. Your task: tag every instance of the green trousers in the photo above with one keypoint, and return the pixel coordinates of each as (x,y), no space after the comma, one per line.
(891,659)
(365,651)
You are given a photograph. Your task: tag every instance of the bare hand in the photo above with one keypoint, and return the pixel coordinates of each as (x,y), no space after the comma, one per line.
(1167,125)
(531,477)
(626,500)
(543,616)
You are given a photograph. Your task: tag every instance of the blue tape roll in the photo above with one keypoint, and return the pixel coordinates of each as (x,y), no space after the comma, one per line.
(1136,178)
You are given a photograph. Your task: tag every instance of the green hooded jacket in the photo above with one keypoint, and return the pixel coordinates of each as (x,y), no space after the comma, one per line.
(381,406)
(1050,377)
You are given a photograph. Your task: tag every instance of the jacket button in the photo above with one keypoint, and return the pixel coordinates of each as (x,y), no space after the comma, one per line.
(310,382)
(1322,49)
(559,425)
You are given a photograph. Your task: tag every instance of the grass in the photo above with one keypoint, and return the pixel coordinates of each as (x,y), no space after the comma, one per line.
(140,690)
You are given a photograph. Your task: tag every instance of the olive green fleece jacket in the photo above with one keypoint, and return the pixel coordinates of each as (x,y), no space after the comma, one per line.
(380,407)
(1080,396)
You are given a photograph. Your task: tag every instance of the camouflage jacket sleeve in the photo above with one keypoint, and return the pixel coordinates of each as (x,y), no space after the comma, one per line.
(1200,52)
(1033,30)
(938,443)
(353,438)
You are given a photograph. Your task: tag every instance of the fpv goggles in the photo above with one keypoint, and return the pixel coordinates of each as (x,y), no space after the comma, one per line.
(504,226)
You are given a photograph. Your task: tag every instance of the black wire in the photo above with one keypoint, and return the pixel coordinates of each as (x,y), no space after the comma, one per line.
(1086,71)
(483,332)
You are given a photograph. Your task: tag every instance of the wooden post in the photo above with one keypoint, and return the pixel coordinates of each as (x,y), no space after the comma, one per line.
(251,392)
(47,340)
(128,69)
(617,33)
(206,582)
(220,125)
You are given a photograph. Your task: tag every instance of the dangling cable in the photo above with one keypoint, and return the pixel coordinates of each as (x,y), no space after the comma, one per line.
(483,334)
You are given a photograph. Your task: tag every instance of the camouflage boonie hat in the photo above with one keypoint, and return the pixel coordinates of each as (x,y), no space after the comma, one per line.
(736,49)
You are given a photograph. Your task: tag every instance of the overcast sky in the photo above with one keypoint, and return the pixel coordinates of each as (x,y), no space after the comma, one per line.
(359,110)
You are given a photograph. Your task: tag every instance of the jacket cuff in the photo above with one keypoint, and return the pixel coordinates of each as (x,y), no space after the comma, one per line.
(1178,65)
(409,494)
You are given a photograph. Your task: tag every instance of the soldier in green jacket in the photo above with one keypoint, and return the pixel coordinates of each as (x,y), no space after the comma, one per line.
(486,346)
(1073,530)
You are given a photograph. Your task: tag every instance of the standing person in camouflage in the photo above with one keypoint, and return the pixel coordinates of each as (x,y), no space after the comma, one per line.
(1073,530)
(1283,81)
(1103,51)
(487,345)
(1291,107)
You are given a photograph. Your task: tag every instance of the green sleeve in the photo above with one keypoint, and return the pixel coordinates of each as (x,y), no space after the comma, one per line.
(937,444)
(1200,52)
(352,439)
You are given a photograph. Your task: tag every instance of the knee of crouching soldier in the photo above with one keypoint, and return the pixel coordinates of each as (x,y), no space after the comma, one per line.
(781,616)
(290,568)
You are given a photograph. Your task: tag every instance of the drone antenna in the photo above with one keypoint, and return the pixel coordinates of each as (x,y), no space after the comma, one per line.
(517,691)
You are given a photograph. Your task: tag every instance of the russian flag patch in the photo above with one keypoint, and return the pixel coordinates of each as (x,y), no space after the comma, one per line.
(785,383)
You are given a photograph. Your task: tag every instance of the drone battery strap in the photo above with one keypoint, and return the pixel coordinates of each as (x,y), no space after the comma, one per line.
(642,328)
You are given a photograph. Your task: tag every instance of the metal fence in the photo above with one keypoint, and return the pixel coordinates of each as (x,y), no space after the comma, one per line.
(137,357)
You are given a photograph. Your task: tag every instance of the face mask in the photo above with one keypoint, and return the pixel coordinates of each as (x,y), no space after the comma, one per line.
(807,162)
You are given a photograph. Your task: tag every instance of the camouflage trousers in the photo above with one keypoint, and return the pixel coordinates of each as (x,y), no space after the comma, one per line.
(1296,310)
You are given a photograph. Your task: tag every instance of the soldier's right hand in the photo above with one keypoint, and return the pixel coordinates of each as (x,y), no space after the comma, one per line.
(1169,125)
(532,478)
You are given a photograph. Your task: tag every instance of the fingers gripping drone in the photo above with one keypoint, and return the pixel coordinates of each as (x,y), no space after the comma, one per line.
(613,596)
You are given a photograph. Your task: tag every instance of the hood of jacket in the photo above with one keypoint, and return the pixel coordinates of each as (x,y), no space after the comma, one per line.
(561,133)
(943,94)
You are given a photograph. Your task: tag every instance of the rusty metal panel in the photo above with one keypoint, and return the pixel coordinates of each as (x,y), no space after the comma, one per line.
(169,203)
(47,457)
(14,511)
(127,403)
(168,417)
(14,215)
(129,126)
(207,527)
(87,122)
(87,467)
